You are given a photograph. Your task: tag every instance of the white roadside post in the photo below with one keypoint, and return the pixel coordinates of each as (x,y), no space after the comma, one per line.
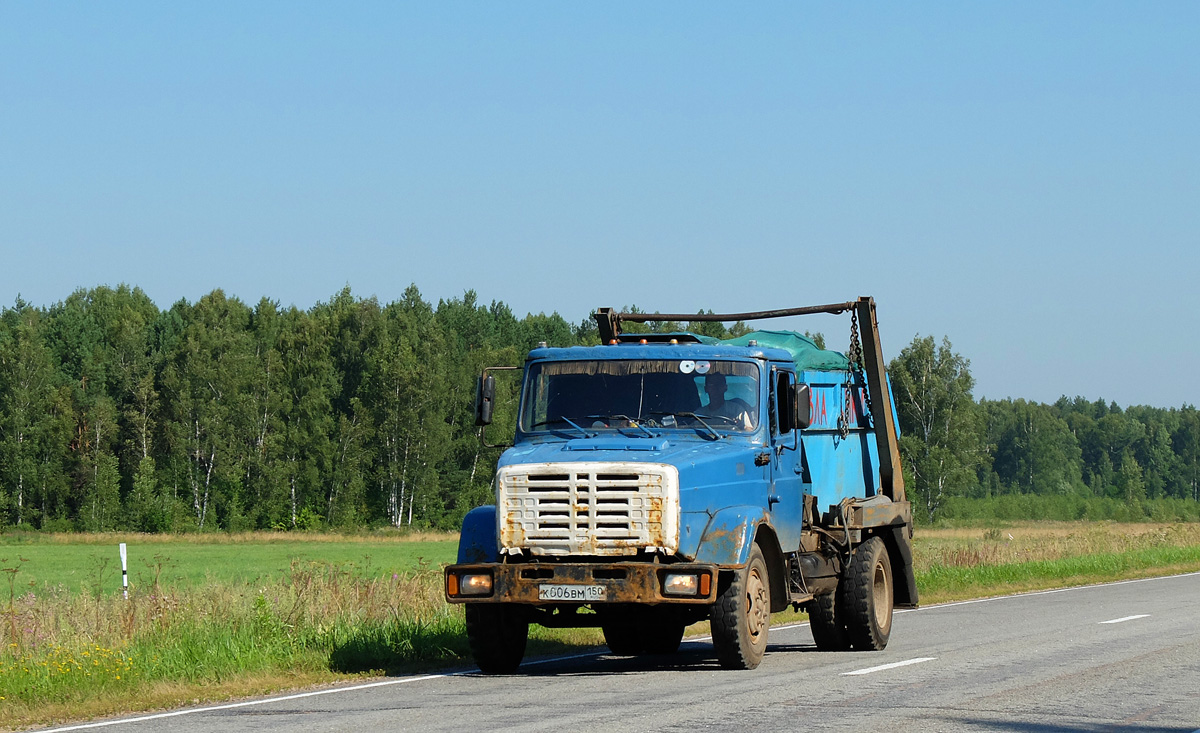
(124,574)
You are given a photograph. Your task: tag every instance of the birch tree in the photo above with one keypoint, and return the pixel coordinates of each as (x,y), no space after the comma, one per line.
(939,421)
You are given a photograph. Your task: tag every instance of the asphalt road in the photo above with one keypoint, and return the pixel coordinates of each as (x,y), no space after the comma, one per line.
(1117,657)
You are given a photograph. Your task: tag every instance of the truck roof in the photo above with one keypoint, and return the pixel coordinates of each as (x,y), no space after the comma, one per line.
(771,345)
(682,350)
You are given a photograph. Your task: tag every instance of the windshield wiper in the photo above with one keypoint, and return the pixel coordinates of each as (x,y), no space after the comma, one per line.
(633,423)
(568,421)
(715,435)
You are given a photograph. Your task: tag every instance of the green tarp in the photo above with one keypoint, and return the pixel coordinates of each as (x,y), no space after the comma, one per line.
(804,352)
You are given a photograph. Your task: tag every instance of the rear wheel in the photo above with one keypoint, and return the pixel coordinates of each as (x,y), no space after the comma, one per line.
(646,633)
(826,624)
(865,596)
(663,636)
(497,634)
(622,637)
(741,617)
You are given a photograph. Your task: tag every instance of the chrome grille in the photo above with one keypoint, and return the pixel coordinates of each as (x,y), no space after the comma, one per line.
(593,508)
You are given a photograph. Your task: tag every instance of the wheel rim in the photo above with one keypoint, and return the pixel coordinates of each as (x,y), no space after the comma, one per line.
(757,603)
(881,592)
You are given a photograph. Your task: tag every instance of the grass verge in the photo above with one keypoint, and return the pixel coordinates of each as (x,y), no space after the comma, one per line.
(71,655)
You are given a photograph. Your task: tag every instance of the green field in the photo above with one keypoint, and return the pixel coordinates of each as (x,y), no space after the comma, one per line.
(247,614)
(86,564)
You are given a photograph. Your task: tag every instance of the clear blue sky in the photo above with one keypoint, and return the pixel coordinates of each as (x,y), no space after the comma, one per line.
(1022,177)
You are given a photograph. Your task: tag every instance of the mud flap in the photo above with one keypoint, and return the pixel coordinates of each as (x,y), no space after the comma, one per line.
(899,548)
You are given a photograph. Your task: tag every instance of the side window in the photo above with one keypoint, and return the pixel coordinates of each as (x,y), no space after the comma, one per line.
(782,395)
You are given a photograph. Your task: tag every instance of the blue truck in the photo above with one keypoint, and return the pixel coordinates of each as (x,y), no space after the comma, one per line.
(661,479)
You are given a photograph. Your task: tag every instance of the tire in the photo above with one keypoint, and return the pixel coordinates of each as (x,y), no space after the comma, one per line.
(497,634)
(632,634)
(662,636)
(741,617)
(622,637)
(865,597)
(826,624)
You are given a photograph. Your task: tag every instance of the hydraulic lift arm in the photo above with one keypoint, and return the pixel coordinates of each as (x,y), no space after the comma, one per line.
(891,477)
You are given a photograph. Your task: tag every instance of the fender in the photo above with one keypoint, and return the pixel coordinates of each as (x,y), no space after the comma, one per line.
(479,542)
(730,533)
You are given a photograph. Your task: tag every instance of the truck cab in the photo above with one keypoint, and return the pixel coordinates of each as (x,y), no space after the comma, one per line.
(658,480)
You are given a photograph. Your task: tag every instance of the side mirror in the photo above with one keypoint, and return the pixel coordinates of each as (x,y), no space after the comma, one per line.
(485,399)
(803,405)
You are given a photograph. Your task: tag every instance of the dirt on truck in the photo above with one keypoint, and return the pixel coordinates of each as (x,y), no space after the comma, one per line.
(661,479)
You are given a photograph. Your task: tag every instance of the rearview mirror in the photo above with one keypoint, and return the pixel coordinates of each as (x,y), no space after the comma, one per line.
(803,404)
(485,398)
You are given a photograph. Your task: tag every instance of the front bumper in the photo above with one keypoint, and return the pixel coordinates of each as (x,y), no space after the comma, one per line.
(621,582)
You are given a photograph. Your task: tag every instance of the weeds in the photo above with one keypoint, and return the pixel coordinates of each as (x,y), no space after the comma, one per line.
(67,648)
(86,653)
(952,564)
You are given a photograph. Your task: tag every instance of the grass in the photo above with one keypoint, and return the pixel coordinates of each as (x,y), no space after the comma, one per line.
(71,653)
(956,564)
(92,562)
(283,612)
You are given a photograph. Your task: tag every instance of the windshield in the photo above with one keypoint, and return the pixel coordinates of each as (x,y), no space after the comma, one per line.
(582,396)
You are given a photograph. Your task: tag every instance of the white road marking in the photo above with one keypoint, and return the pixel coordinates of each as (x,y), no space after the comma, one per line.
(299,695)
(1126,618)
(248,703)
(893,665)
(550,660)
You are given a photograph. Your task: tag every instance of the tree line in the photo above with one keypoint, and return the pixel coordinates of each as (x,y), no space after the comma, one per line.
(1073,459)
(115,414)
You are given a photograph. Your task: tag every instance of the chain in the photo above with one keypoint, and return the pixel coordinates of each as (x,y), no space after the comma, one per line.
(855,356)
(848,397)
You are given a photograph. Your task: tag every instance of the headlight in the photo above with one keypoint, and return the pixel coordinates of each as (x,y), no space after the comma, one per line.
(469,584)
(681,584)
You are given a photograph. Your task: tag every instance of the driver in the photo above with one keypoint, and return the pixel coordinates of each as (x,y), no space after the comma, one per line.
(715,386)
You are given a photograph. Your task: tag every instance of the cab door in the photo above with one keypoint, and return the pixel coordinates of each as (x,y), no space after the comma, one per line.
(786,498)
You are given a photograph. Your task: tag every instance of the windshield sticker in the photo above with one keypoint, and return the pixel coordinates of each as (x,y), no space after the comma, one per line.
(702,367)
(687,366)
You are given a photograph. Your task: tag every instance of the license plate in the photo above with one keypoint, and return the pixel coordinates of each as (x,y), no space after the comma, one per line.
(579,593)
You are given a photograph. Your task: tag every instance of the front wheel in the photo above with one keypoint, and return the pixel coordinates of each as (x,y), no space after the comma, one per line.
(741,617)
(865,597)
(497,634)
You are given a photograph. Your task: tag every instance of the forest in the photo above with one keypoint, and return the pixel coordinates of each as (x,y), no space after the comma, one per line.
(218,415)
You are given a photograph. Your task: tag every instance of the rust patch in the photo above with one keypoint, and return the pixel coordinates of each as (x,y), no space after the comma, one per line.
(723,543)
(512,532)
(654,510)
(622,582)
(879,515)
